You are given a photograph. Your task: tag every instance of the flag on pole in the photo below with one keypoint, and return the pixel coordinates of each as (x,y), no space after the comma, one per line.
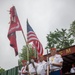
(14,26)
(31,37)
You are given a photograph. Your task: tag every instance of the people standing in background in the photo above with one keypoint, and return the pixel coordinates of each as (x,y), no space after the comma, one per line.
(72,69)
(55,62)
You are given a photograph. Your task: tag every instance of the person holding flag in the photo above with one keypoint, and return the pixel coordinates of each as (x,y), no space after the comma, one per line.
(32,67)
(32,38)
(41,66)
(24,68)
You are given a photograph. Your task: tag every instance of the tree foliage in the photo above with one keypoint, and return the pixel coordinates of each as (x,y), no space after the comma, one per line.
(72,28)
(59,39)
(2,70)
(23,54)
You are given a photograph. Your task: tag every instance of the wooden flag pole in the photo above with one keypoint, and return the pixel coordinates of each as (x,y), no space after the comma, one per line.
(47,63)
(26,45)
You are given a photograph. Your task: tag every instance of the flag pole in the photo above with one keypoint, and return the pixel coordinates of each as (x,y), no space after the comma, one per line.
(27,48)
(24,36)
(25,42)
(47,63)
(26,45)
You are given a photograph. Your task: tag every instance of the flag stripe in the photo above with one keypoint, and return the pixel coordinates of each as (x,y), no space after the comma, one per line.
(31,34)
(31,40)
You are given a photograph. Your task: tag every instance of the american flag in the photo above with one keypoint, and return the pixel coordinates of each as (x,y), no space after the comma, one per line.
(31,37)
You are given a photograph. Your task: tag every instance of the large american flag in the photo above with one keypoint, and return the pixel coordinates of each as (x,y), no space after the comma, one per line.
(31,37)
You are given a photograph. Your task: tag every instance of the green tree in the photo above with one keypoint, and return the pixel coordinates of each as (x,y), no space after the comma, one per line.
(59,39)
(23,54)
(72,29)
(2,70)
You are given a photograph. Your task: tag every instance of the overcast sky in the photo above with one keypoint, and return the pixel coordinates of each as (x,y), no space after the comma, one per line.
(43,15)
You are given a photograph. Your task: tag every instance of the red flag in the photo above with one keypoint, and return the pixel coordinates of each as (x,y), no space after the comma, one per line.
(14,21)
(14,26)
(31,37)
(13,43)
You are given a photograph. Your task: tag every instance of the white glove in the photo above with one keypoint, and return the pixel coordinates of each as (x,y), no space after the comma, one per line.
(32,60)
(27,62)
(51,63)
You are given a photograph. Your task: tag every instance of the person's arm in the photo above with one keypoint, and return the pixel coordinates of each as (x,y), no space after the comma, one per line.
(71,70)
(60,61)
(58,64)
(23,71)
